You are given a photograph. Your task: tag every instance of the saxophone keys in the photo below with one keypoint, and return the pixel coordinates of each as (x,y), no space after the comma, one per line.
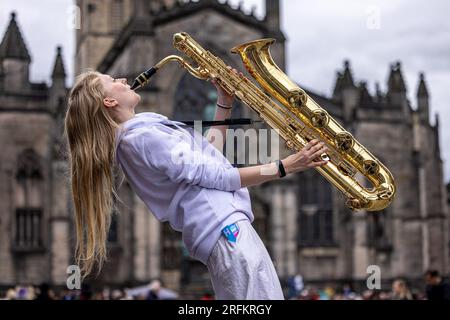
(203,73)
(385,191)
(346,169)
(319,118)
(324,157)
(354,204)
(297,98)
(344,141)
(370,167)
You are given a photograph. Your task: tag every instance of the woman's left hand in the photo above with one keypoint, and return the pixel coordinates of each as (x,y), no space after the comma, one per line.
(223,98)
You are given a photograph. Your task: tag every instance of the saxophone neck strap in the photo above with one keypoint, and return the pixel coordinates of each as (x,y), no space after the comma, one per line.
(227,122)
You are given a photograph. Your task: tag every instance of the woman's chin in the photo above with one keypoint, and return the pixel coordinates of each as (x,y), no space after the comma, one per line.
(138,98)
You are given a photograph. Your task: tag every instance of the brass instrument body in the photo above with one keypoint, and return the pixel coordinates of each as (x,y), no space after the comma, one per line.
(297,118)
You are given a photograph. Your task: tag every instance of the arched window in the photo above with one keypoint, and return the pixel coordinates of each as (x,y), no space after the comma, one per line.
(172,248)
(378,230)
(196,99)
(315,210)
(28,202)
(378,226)
(261,223)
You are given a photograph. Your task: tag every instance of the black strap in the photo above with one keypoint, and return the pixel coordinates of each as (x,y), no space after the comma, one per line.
(226,122)
(281,169)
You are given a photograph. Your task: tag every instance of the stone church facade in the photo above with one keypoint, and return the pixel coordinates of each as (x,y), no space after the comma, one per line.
(302,219)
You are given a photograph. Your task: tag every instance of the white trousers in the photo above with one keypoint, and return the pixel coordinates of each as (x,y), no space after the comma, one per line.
(243,270)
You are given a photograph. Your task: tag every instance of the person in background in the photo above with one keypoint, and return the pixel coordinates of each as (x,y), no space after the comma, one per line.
(436,287)
(400,290)
(44,292)
(86,292)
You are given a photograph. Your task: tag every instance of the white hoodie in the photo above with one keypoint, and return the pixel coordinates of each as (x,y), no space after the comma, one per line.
(182,179)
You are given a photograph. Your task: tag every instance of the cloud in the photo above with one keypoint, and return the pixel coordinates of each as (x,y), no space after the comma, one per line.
(321,34)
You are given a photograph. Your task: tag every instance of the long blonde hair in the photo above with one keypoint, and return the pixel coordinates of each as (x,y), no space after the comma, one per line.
(91,135)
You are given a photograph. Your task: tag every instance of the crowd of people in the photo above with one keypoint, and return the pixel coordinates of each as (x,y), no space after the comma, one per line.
(399,291)
(435,288)
(152,291)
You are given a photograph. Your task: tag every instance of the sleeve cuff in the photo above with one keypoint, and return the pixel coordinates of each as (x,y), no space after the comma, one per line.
(235,179)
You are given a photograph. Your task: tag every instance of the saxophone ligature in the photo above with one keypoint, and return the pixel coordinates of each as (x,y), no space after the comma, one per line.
(284,106)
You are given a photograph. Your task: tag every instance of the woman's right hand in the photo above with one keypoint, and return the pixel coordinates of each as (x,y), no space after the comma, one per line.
(300,161)
(306,157)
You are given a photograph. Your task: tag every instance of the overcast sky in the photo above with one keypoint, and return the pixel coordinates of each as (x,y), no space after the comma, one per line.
(321,34)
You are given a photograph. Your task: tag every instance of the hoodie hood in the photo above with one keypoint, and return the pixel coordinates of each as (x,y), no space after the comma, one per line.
(139,120)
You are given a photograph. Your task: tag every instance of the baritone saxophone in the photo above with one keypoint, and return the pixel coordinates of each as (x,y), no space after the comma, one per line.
(284,106)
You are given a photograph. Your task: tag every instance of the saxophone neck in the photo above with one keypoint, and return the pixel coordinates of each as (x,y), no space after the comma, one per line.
(144,78)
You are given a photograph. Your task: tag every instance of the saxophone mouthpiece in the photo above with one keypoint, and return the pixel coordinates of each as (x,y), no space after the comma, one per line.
(143,78)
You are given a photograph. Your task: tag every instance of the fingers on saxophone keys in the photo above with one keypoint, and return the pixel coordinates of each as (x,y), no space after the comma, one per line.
(316,145)
(310,144)
(319,163)
(240,74)
(317,156)
(322,155)
(235,71)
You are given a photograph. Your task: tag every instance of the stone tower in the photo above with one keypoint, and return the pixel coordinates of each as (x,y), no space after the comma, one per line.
(35,220)
(101,21)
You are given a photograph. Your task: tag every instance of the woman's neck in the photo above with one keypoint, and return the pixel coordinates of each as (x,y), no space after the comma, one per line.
(125,116)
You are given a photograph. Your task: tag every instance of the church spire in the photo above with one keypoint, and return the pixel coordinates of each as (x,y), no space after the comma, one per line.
(273,14)
(422,89)
(58,68)
(346,93)
(15,76)
(344,80)
(347,78)
(13,45)
(422,99)
(396,82)
(58,88)
(396,93)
